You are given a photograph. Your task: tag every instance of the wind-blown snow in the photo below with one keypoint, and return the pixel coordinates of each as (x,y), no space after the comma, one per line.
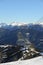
(34,61)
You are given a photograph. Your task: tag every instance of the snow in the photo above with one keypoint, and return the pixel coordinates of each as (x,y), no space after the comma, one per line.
(2,24)
(18,23)
(33,61)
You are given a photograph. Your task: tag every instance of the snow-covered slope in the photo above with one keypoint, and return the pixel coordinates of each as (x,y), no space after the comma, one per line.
(34,61)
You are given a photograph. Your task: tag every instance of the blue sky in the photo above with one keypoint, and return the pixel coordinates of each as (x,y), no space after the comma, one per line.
(20,10)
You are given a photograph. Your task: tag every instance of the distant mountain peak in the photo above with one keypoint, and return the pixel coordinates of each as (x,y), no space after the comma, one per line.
(18,24)
(2,24)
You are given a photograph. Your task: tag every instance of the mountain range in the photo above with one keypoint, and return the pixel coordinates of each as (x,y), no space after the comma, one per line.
(9,33)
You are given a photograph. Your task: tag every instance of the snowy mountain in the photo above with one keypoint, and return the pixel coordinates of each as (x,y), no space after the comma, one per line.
(9,33)
(3,24)
(34,61)
(12,24)
(18,24)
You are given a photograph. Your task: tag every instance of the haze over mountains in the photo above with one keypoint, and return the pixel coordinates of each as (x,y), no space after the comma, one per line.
(9,33)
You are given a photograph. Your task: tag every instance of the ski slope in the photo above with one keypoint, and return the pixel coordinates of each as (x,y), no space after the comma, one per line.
(33,61)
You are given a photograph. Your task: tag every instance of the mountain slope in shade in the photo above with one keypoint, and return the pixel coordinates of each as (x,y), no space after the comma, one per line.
(9,34)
